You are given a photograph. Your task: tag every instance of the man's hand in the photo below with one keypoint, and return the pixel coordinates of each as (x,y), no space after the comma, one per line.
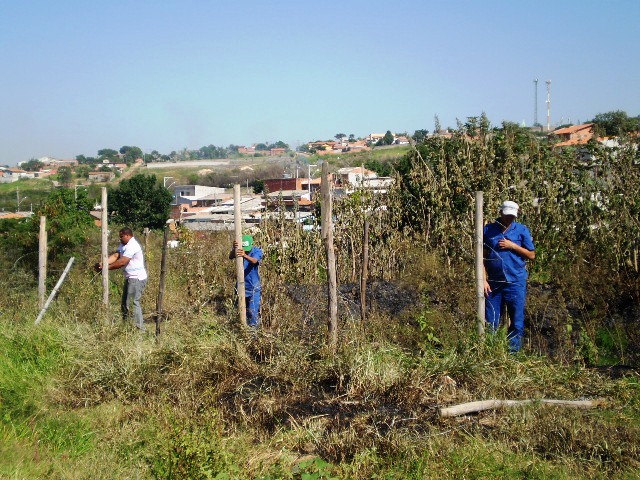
(506,244)
(97,267)
(239,251)
(487,289)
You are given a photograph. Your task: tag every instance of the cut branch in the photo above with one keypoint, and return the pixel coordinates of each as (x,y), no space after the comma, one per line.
(479,406)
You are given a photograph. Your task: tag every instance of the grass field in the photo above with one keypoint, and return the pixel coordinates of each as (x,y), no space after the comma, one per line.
(30,191)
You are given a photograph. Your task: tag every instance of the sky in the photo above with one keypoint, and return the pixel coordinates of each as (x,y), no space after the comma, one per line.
(81,75)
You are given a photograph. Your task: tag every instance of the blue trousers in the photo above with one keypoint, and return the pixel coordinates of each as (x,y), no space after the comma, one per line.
(252,300)
(513,295)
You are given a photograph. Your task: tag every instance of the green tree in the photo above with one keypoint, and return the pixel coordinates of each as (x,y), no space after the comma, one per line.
(340,136)
(130,154)
(69,225)
(82,160)
(616,123)
(32,165)
(420,135)
(65,175)
(82,171)
(382,169)
(258,186)
(436,124)
(387,139)
(140,201)
(107,154)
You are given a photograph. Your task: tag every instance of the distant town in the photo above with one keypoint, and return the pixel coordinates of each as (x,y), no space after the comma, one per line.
(210,207)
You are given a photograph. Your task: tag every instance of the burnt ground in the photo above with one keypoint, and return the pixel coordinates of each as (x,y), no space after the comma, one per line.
(555,323)
(385,297)
(349,424)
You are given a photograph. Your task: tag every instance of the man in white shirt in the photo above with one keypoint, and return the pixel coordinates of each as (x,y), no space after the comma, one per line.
(129,255)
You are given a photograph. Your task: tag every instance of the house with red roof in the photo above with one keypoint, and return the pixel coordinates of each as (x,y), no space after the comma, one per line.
(573,135)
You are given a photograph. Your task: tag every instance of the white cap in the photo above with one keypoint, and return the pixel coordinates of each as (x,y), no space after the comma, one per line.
(509,208)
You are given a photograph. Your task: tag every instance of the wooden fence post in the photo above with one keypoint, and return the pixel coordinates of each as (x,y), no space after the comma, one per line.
(364,271)
(480,262)
(105,252)
(163,272)
(327,238)
(237,216)
(42,261)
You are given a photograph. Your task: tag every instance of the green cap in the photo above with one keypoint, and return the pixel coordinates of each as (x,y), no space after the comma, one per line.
(247,243)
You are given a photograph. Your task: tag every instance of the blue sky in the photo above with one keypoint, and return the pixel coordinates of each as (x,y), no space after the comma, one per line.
(79,76)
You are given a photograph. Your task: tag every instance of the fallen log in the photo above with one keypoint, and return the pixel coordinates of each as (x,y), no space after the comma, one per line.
(479,406)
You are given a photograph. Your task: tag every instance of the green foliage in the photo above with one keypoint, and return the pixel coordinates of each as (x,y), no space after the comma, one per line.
(419,136)
(314,469)
(32,165)
(616,123)
(130,154)
(193,450)
(69,225)
(258,186)
(28,356)
(572,208)
(107,154)
(386,140)
(383,169)
(140,201)
(65,175)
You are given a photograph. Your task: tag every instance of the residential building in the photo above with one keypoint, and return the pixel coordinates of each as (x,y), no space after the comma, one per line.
(574,135)
(101,176)
(278,151)
(197,195)
(373,138)
(247,150)
(351,178)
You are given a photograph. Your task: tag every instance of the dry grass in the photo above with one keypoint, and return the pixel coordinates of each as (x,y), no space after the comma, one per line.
(205,398)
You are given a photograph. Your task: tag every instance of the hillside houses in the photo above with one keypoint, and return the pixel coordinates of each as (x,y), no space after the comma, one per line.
(252,150)
(101,176)
(573,135)
(352,178)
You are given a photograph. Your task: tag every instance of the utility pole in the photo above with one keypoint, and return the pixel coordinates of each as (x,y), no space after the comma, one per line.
(309,178)
(548,105)
(535,103)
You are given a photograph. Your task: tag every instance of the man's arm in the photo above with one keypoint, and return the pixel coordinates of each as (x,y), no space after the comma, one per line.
(119,262)
(235,251)
(517,249)
(114,262)
(247,257)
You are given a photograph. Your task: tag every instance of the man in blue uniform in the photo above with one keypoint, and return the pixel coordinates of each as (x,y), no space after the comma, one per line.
(252,256)
(507,247)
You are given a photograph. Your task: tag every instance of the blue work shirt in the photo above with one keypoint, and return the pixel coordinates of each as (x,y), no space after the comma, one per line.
(251,276)
(504,264)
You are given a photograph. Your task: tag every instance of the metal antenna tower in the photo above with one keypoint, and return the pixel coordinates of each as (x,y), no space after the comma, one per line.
(535,104)
(548,105)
